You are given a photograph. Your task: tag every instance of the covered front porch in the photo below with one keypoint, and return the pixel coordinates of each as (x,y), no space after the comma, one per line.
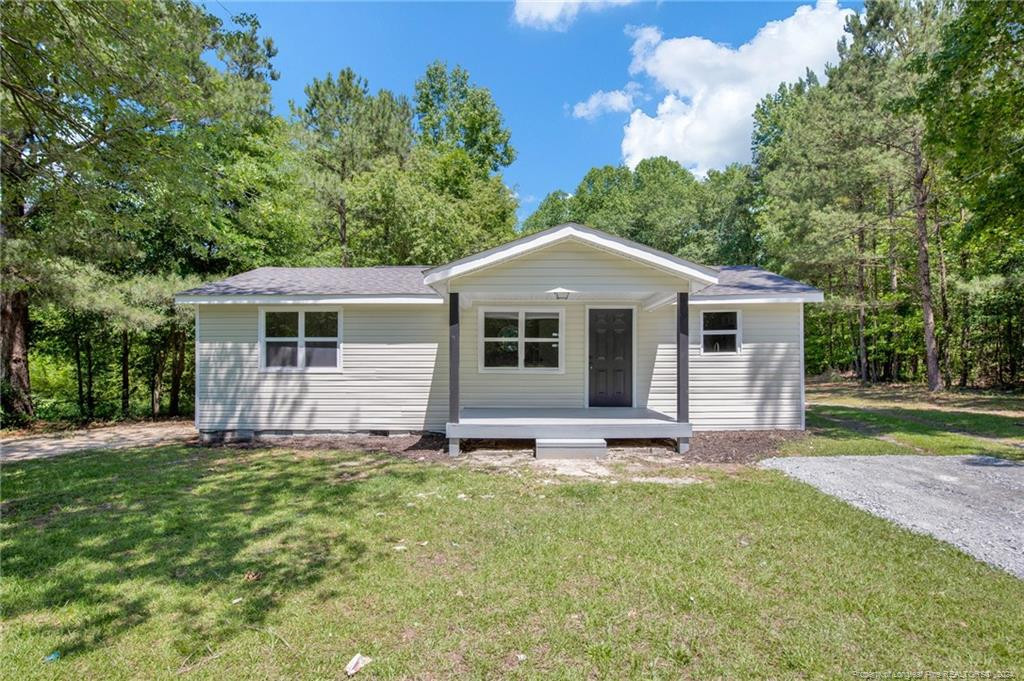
(578,402)
(568,337)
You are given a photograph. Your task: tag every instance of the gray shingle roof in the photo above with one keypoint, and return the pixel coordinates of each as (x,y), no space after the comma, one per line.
(408,280)
(740,280)
(269,281)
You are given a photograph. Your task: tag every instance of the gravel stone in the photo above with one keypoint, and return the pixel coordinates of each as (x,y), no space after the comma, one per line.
(975,503)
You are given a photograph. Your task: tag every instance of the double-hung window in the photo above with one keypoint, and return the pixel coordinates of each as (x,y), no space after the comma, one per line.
(720,332)
(300,340)
(522,340)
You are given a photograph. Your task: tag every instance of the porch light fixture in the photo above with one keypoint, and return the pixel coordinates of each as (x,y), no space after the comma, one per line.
(561,293)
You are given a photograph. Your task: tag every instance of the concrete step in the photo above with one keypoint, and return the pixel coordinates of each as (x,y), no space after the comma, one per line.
(575,448)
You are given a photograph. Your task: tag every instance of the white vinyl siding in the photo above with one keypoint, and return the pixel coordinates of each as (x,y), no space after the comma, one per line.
(396,371)
(758,388)
(395,376)
(517,388)
(572,265)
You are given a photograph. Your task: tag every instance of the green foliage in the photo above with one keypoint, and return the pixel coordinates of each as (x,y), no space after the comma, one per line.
(139,162)
(972,102)
(346,132)
(452,113)
(663,205)
(845,194)
(436,209)
(554,209)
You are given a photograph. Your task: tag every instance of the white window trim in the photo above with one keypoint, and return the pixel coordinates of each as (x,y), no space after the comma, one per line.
(738,332)
(521,340)
(300,339)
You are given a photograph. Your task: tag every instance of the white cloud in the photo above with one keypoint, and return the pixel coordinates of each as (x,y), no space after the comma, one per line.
(705,119)
(602,102)
(556,15)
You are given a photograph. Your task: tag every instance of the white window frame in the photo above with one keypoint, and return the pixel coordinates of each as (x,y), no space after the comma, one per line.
(521,341)
(300,339)
(738,332)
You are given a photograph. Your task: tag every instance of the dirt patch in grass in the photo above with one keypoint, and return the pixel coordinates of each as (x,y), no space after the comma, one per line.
(414,446)
(41,427)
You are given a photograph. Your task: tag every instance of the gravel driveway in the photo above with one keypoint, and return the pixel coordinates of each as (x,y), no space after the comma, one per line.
(975,503)
(121,436)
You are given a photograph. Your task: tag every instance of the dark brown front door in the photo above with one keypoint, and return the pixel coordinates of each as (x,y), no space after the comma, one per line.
(611,358)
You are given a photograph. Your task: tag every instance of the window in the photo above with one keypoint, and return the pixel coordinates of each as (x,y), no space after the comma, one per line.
(521,340)
(720,332)
(307,340)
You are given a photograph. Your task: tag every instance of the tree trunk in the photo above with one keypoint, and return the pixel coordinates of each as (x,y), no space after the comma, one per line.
(79,378)
(944,302)
(126,347)
(343,231)
(16,387)
(923,270)
(177,369)
(1011,345)
(156,379)
(862,345)
(893,368)
(90,398)
(965,325)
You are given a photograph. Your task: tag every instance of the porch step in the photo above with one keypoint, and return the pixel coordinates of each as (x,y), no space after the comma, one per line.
(575,448)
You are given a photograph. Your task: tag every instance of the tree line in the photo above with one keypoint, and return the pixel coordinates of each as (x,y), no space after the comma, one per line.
(141,155)
(895,186)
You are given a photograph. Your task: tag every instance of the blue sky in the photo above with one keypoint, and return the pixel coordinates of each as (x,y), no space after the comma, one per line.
(579,86)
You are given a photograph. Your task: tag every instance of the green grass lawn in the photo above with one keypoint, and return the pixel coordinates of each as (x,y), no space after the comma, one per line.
(268,563)
(849,419)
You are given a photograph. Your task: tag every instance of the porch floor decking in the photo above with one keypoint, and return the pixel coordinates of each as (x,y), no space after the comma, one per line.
(529,423)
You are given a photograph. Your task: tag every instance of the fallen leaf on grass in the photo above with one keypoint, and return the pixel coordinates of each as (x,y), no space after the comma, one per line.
(253,576)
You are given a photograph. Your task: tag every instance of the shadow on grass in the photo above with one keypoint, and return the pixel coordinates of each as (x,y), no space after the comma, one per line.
(965,422)
(929,432)
(831,436)
(107,539)
(911,393)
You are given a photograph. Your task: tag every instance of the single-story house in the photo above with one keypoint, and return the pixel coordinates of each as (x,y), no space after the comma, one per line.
(568,336)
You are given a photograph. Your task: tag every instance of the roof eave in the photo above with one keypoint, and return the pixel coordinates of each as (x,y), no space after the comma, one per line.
(737,299)
(311,299)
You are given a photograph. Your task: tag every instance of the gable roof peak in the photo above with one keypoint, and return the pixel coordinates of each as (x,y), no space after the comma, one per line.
(552,235)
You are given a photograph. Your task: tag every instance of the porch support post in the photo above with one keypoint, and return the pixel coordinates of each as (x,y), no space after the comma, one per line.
(453,367)
(683,365)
